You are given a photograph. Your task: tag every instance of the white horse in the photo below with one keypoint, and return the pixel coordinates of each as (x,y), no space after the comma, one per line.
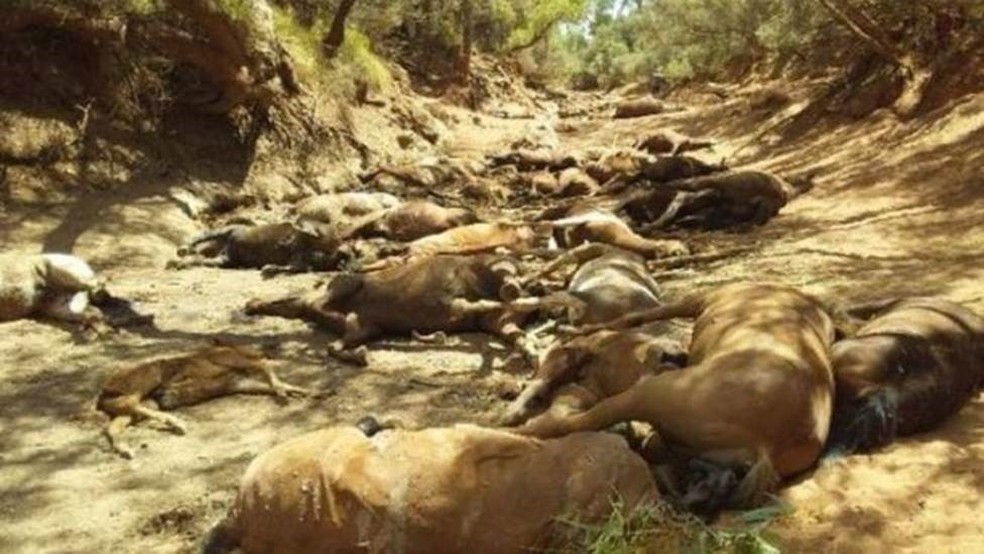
(58,286)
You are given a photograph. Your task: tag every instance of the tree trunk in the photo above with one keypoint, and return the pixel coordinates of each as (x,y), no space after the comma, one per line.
(427,7)
(336,35)
(867,30)
(464,54)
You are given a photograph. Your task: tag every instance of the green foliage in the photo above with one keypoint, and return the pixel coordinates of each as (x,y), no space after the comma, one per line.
(303,43)
(684,39)
(139,7)
(678,69)
(699,38)
(657,529)
(494,21)
(537,18)
(355,59)
(615,41)
(240,10)
(356,53)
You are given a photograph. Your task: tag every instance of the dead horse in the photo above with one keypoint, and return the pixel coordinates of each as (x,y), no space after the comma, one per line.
(457,489)
(905,371)
(757,394)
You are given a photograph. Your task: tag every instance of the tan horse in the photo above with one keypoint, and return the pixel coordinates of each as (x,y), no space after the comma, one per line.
(458,489)
(139,392)
(575,375)
(758,391)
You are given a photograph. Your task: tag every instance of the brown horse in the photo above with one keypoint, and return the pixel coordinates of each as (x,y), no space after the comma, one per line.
(457,489)
(758,391)
(440,293)
(140,392)
(577,374)
(908,369)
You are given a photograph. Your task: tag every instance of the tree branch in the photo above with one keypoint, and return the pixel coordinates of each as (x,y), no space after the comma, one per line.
(865,29)
(537,37)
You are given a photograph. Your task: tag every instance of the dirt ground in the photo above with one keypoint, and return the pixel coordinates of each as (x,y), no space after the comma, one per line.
(898,209)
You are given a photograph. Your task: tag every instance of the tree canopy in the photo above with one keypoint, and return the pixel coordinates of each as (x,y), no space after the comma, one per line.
(256,53)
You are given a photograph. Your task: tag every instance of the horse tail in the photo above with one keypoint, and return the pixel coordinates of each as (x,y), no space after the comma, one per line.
(870,423)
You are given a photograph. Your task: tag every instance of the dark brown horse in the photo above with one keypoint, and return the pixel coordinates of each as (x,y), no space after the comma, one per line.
(908,369)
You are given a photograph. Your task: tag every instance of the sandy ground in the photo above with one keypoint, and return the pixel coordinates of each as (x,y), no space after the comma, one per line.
(899,209)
